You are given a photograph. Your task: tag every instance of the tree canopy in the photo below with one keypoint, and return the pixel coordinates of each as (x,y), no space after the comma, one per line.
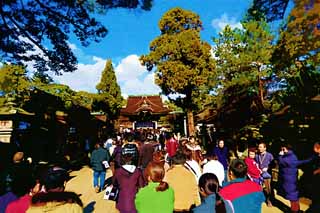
(14,82)
(38,30)
(243,59)
(299,42)
(183,63)
(271,10)
(291,59)
(243,64)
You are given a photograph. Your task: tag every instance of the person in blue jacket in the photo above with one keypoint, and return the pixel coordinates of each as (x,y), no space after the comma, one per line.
(288,176)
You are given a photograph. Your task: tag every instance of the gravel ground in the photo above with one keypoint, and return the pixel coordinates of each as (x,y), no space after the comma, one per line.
(81,183)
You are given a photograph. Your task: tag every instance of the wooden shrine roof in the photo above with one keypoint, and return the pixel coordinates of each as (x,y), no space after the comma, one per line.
(137,104)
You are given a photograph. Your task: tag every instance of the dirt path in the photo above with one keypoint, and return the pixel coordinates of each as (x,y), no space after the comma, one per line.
(81,183)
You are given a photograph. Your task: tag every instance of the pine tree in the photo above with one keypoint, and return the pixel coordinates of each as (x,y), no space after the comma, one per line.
(183,63)
(109,97)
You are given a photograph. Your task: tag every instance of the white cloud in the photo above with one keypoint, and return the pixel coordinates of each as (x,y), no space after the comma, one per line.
(72,46)
(129,68)
(85,77)
(220,23)
(132,77)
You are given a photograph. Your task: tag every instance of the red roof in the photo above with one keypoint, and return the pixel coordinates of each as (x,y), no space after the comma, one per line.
(152,104)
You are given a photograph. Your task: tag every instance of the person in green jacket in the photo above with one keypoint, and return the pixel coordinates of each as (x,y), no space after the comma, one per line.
(157,196)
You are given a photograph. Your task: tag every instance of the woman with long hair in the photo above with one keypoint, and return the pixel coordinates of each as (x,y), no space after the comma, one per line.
(211,200)
(157,196)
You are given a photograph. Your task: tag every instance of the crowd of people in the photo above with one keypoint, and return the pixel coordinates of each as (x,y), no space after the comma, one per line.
(241,184)
(35,189)
(176,175)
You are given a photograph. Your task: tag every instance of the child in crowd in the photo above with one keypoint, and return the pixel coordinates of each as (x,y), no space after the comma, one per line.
(254,173)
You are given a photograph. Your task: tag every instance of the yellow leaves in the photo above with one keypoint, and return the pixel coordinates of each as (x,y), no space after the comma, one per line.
(302,35)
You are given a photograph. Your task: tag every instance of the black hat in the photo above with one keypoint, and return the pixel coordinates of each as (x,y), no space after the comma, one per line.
(130,149)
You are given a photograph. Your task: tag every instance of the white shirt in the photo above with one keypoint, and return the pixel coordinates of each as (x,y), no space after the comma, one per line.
(215,167)
(196,170)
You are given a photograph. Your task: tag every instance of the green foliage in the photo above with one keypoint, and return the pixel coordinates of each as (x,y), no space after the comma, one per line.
(298,122)
(243,58)
(266,9)
(109,97)
(62,92)
(178,20)
(32,26)
(299,43)
(14,82)
(184,64)
(172,106)
(243,62)
(84,99)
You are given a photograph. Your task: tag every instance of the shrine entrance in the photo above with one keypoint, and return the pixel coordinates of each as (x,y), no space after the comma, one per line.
(142,112)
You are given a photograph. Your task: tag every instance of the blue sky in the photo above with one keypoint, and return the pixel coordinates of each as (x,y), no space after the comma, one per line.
(130,33)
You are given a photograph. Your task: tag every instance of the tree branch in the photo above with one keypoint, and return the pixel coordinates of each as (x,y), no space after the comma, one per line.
(28,36)
(58,15)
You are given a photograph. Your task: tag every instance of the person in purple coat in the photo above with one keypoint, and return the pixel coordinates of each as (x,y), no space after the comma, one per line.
(221,151)
(264,159)
(288,176)
(128,178)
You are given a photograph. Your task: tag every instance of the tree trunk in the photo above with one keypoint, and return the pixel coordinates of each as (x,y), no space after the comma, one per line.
(190,121)
(260,88)
(261,91)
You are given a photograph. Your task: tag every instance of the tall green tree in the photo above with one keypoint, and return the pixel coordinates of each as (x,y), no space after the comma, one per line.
(109,97)
(243,59)
(45,25)
(243,62)
(183,63)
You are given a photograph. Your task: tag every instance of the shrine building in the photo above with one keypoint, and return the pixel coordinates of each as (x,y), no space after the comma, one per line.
(142,112)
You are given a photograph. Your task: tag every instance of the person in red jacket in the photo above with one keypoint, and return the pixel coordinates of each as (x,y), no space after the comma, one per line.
(171,146)
(254,173)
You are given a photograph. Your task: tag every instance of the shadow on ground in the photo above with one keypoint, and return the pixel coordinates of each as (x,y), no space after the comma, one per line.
(90,207)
